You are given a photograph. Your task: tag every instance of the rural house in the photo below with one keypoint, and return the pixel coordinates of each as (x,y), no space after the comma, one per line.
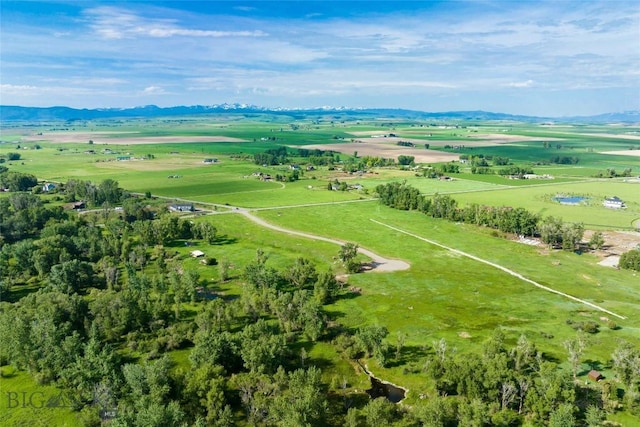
(185,207)
(48,187)
(613,203)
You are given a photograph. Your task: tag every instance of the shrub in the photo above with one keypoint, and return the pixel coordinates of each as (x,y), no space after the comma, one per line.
(630,260)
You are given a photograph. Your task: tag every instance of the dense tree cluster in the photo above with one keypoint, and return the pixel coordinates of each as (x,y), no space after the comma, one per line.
(23,215)
(506,219)
(612,173)
(449,168)
(95,304)
(564,160)
(518,171)
(499,386)
(630,260)
(272,156)
(107,192)
(405,144)
(114,286)
(556,233)
(406,160)
(318,157)
(17,181)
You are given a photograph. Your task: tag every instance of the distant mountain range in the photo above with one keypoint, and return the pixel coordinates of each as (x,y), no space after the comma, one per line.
(17,113)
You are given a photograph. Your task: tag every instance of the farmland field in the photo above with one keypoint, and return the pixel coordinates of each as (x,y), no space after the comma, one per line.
(444,294)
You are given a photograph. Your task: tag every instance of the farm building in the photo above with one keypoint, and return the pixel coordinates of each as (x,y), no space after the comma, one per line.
(188,207)
(75,205)
(48,187)
(209,161)
(197,253)
(123,158)
(594,375)
(613,203)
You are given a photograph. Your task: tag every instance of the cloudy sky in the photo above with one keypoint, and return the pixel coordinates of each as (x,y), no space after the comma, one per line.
(552,58)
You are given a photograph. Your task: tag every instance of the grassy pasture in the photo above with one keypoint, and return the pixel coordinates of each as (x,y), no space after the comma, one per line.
(538,199)
(443,295)
(25,403)
(447,296)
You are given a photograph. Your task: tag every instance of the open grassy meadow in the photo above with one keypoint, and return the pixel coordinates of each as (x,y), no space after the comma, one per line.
(444,294)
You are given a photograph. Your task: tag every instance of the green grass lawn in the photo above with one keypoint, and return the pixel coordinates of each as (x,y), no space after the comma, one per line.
(26,403)
(443,295)
(469,297)
(539,199)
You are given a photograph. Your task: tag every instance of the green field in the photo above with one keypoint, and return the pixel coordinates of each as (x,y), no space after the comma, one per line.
(443,294)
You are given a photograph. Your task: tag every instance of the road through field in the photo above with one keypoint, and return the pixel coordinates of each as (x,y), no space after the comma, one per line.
(500,267)
(379,264)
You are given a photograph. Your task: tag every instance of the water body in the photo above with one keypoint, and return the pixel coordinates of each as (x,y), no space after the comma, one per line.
(570,200)
(380,388)
(384,389)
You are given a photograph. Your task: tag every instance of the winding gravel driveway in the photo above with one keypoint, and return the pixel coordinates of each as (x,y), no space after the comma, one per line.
(379,264)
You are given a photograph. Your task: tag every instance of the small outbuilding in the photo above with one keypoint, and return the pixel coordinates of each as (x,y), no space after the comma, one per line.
(184,207)
(197,253)
(594,375)
(48,187)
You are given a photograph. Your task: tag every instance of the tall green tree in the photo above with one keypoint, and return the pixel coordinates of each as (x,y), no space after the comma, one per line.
(348,253)
(301,401)
(71,276)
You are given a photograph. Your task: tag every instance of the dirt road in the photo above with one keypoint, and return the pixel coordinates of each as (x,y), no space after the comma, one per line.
(379,264)
(505,269)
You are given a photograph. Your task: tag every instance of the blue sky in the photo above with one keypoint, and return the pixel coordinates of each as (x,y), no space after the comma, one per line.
(555,58)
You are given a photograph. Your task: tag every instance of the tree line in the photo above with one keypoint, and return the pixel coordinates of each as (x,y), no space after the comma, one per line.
(551,230)
(509,220)
(112,300)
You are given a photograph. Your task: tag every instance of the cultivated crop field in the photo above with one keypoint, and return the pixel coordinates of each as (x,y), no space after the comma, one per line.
(453,289)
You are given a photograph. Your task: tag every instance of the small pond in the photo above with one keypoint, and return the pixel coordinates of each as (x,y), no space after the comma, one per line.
(570,200)
(382,389)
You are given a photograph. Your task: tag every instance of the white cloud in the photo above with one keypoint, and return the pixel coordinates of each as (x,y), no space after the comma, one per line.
(115,23)
(153,90)
(245,8)
(130,50)
(170,32)
(9,89)
(527,83)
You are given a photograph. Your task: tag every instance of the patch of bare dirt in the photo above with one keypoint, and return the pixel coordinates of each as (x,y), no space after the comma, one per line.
(634,153)
(386,150)
(614,135)
(502,138)
(615,244)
